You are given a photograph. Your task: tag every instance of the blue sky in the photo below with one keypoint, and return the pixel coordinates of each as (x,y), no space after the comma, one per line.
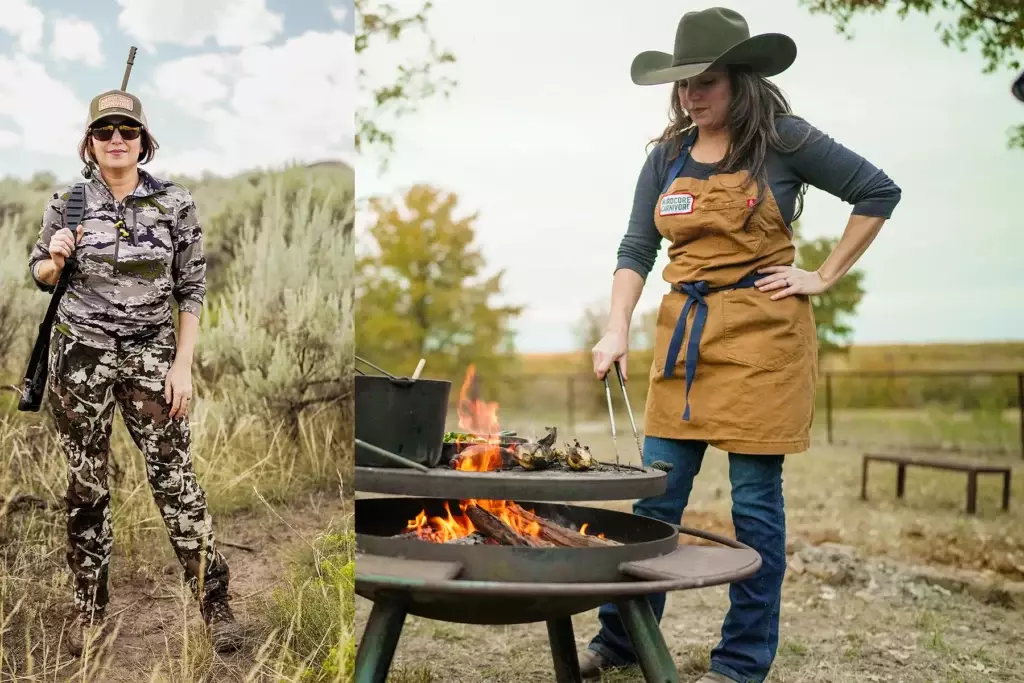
(544,137)
(227,85)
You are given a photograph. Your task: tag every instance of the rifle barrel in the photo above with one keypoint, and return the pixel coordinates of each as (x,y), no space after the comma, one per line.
(128,69)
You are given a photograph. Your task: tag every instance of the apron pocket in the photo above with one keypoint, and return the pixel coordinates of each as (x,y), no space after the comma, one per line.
(763,333)
(723,228)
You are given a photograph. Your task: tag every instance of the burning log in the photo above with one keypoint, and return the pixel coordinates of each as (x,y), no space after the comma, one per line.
(559,535)
(492,526)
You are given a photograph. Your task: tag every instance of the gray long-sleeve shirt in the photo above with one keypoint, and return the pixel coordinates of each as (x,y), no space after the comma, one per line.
(820,162)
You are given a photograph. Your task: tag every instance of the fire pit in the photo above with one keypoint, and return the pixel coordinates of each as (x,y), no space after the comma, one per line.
(487,545)
(501,584)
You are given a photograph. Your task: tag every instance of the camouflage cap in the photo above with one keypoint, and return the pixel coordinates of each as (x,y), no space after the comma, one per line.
(116,103)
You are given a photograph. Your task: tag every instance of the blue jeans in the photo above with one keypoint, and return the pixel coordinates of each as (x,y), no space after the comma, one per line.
(750,633)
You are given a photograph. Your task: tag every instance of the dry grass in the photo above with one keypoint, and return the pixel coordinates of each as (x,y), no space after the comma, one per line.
(836,636)
(265,491)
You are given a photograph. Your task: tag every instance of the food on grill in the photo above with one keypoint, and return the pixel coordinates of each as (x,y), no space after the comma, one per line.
(578,457)
(462,437)
(549,438)
(482,454)
(534,456)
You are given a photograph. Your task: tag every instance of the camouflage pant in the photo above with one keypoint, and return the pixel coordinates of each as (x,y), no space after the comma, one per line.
(85,385)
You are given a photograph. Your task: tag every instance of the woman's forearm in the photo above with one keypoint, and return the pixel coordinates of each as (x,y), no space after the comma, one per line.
(860,232)
(188,333)
(627,285)
(48,272)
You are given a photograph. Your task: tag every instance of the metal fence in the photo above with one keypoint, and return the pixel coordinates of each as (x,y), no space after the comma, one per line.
(954,410)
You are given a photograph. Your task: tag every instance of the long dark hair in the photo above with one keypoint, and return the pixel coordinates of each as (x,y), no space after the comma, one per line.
(755,106)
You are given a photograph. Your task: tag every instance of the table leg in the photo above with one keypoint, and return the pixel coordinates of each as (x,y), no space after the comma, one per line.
(901,479)
(647,640)
(1006,490)
(379,642)
(972,492)
(563,650)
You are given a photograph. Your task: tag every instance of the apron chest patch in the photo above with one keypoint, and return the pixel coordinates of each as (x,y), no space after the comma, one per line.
(676,203)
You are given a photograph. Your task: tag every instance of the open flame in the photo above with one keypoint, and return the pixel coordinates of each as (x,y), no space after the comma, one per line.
(479,418)
(443,529)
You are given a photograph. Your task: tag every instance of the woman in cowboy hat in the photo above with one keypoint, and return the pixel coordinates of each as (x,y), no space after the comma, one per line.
(735,352)
(138,245)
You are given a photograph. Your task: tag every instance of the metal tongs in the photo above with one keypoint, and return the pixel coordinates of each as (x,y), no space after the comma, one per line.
(611,416)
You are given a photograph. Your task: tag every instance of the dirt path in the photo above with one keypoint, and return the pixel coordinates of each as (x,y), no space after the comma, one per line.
(154,610)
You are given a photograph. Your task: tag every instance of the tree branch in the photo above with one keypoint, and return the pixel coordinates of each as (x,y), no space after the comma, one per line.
(984,15)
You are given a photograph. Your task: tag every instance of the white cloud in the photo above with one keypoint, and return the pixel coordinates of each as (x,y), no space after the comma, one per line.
(23,21)
(263,106)
(9,138)
(76,40)
(230,23)
(47,112)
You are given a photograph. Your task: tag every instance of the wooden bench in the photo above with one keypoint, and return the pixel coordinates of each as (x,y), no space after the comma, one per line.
(971,469)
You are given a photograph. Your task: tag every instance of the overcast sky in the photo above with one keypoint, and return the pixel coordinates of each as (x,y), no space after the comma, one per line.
(227,85)
(545,136)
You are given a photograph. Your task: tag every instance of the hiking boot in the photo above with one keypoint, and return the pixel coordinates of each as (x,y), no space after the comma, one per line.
(714,677)
(592,663)
(225,632)
(85,628)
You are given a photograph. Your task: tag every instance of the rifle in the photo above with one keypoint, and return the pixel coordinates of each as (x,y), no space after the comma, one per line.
(38,369)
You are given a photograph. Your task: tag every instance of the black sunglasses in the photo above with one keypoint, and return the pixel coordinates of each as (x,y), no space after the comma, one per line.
(105,133)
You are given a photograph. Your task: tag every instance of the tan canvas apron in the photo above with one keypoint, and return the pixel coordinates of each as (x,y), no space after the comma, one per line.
(750,362)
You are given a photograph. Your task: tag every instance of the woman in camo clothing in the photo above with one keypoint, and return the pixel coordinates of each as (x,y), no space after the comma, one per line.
(139,244)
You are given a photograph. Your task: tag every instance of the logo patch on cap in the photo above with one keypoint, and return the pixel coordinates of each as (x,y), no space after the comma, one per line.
(116,102)
(676,203)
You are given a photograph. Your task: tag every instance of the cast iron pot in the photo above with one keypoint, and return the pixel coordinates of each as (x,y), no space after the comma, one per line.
(401,415)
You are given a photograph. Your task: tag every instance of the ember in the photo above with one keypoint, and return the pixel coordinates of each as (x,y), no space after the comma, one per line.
(498,522)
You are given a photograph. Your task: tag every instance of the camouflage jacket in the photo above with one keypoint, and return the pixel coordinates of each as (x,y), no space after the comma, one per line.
(133,256)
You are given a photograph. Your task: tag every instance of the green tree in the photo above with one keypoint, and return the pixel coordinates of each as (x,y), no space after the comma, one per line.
(381,23)
(997,25)
(421,291)
(834,309)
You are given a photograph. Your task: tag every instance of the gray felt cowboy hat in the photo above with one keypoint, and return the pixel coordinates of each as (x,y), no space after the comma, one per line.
(713,38)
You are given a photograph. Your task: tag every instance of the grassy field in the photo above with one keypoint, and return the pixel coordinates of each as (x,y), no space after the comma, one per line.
(894,590)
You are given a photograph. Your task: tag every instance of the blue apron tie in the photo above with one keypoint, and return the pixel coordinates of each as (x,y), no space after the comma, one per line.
(695,293)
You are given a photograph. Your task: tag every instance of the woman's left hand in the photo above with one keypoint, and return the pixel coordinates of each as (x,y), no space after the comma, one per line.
(178,389)
(790,280)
